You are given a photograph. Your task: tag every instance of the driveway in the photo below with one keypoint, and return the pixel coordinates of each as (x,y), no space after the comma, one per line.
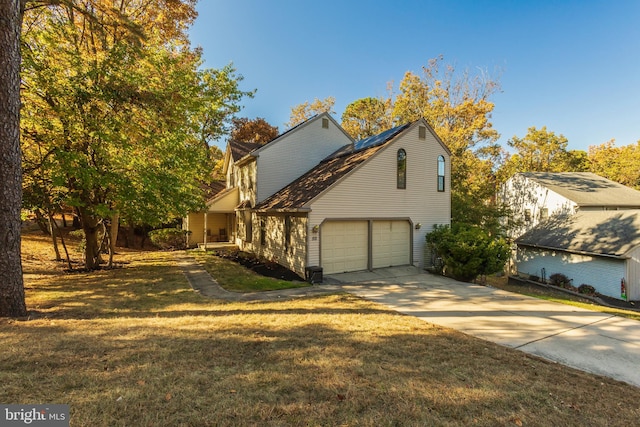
(588,340)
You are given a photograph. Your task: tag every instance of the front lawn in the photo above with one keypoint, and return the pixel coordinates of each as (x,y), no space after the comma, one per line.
(135,346)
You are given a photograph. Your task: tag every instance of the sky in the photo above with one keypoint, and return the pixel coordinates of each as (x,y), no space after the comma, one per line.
(572,66)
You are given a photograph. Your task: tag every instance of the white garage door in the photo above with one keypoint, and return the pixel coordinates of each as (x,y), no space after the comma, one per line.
(344,246)
(391,243)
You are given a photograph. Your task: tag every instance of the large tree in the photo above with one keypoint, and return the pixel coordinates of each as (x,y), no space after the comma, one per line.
(116,100)
(620,164)
(457,106)
(252,130)
(306,110)
(11,284)
(367,117)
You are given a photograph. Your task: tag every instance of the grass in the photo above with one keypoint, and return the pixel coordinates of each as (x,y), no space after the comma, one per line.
(234,278)
(557,296)
(134,346)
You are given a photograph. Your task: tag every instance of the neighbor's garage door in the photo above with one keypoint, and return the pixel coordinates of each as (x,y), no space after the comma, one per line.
(344,246)
(390,243)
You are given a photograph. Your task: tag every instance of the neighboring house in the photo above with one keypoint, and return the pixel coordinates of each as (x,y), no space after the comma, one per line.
(578,224)
(536,196)
(597,248)
(314,198)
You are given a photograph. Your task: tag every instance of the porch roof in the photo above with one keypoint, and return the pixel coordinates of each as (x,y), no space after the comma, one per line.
(225,201)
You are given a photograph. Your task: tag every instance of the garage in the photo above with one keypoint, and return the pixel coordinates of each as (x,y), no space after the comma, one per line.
(344,246)
(348,246)
(390,243)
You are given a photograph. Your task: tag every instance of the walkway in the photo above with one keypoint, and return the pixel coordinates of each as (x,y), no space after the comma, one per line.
(591,341)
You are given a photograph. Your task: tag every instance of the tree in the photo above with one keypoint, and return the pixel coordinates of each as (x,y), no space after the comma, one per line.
(367,117)
(620,164)
(456,105)
(118,102)
(467,251)
(12,302)
(306,110)
(252,130)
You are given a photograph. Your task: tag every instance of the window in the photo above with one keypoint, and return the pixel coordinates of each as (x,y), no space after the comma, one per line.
(248,224)
(527,215)
(422,132)
(441,170)
(402,169)
(287,232)
(325,123)
(263,231)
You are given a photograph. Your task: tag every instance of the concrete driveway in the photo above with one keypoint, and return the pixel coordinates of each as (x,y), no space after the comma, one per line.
(591,341)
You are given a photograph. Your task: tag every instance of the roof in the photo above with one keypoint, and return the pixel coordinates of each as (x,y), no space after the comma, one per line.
(240,149)
(587,189)
(213,188)
(304,189)
(608,233)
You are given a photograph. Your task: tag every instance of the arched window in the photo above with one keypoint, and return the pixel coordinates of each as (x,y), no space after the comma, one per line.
(441,170)
(402,169)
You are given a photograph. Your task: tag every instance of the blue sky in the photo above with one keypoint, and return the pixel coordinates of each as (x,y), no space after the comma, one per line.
(573,66)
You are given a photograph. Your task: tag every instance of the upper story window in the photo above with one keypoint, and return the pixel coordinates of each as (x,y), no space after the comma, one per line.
(422,132)
(402,169)
(325,123)
(441,169)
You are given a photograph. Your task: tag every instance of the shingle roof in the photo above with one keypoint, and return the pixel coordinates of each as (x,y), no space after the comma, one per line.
(327,173)
(240,149)
(213,188)
(588,189)
(612,233)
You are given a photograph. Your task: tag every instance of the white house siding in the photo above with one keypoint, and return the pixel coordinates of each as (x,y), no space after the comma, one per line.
(370,192)
(633,274)
(274,244)
(283,161)
(604,274)
(523,194)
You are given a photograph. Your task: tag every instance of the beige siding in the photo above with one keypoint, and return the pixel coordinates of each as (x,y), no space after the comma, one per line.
(282,161)
(371,192)
(274,248)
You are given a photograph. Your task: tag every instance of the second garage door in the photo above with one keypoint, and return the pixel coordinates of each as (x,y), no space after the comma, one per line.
(390,243)
(345,246)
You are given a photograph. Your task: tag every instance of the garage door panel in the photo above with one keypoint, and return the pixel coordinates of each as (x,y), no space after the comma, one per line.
(344,246)
(391,243)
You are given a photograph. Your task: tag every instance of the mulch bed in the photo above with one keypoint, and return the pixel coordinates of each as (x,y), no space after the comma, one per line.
(260,266)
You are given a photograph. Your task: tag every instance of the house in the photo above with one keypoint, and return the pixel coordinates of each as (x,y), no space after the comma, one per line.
(536,196)
(578,224)
(597,248)
(313,198)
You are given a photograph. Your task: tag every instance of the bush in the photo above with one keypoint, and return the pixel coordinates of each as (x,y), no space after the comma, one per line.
(586,289)
(169,238)
(560,280)
(468,251)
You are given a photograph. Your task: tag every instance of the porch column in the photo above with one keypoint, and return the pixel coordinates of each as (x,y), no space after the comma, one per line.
(206,213)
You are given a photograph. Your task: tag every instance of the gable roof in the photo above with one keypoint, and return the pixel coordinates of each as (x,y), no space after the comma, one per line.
(606,233)
(587,189)
(300,126)
(240,149)
(310,185)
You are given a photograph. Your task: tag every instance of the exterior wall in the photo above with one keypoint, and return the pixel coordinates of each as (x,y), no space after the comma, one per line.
(370,192)
(274,247)
(523,194)
(604,274)
(633,275)
(246,182)
(283,161)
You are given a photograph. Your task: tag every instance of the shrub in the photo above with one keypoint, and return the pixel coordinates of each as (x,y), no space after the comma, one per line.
(586,289)
(559,279)
(534,278)
(468,251)
(169,238)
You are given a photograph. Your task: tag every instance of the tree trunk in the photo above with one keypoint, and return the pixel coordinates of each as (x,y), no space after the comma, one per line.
(12,303)
(52,232)
(90,226)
